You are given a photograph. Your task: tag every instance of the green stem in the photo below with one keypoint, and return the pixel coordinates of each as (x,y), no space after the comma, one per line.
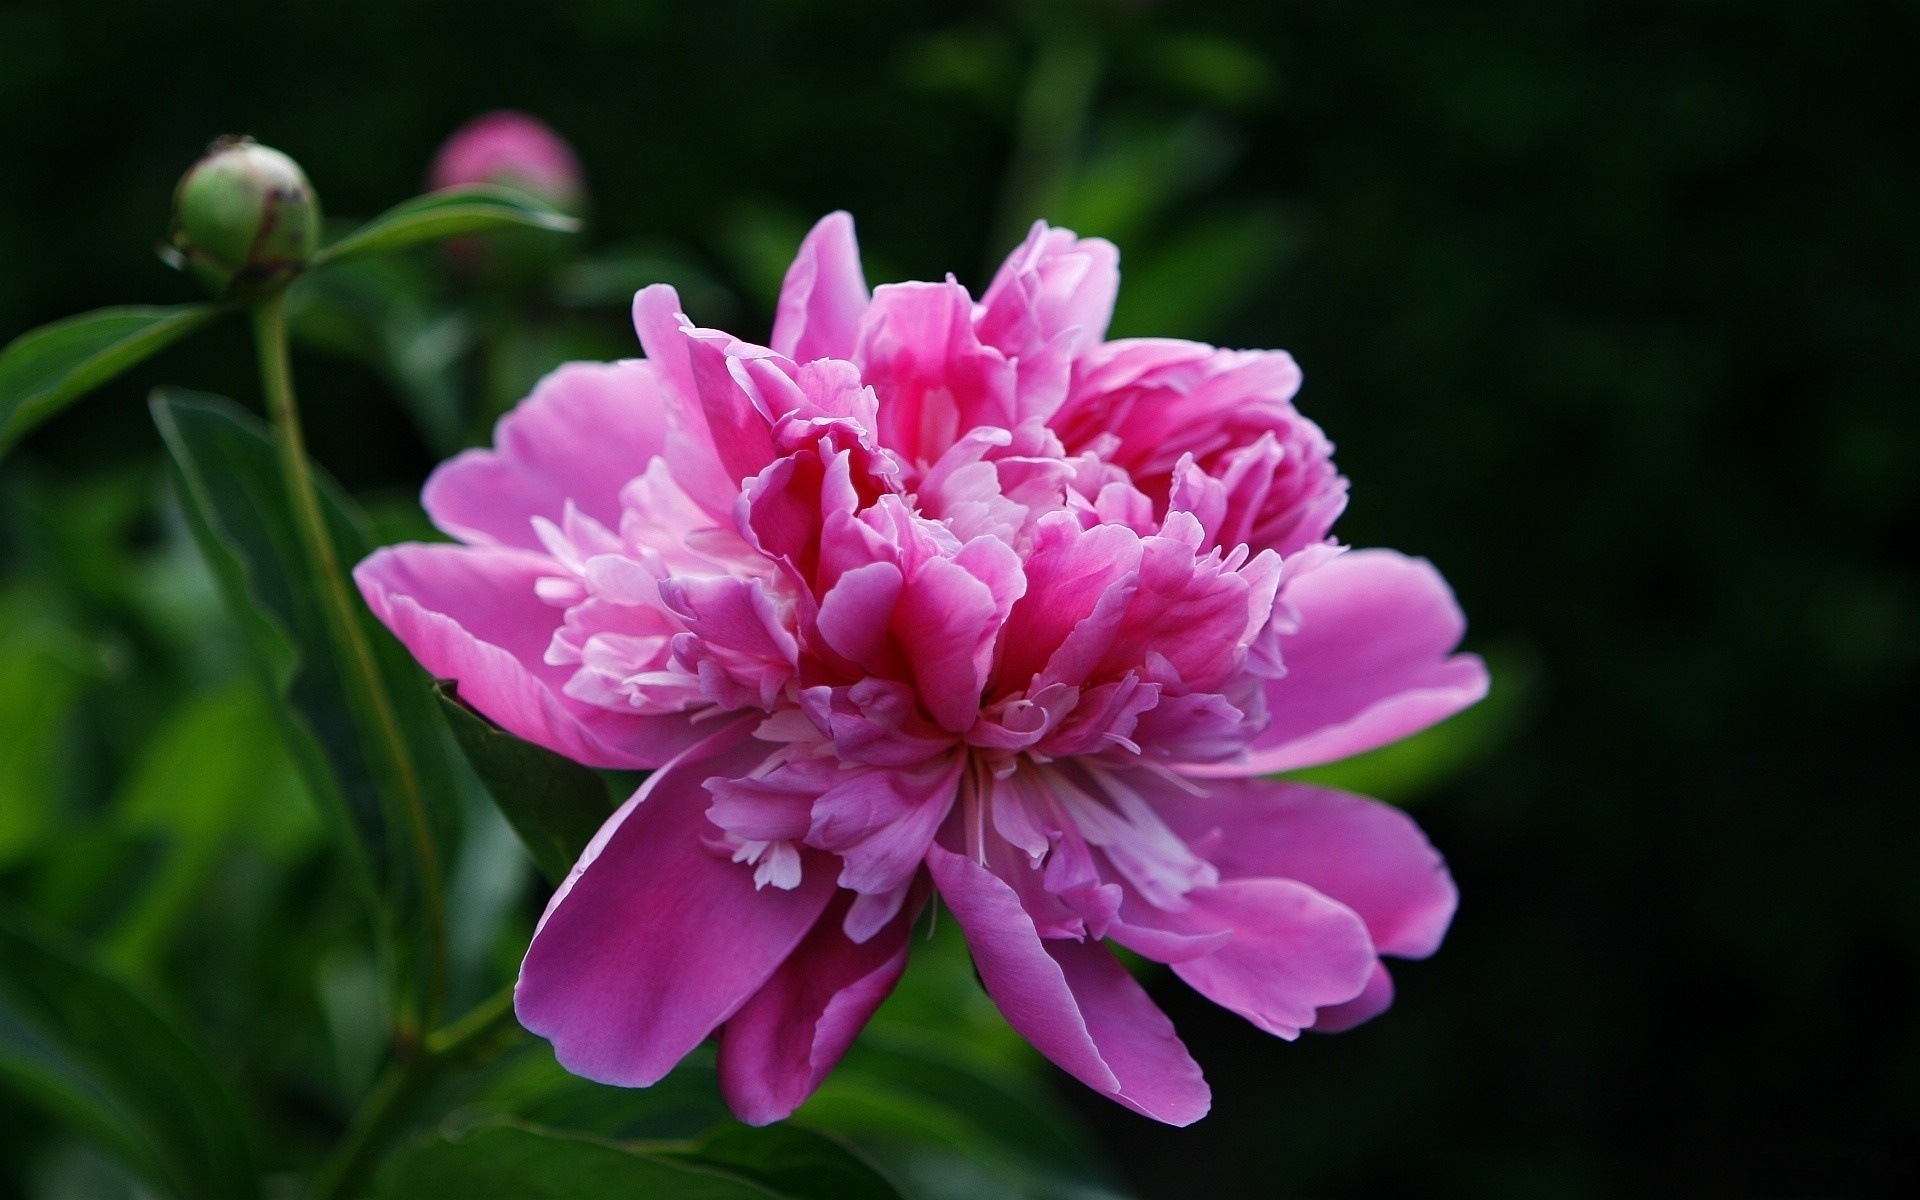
(1053,116)
(361,673)
(392,1100)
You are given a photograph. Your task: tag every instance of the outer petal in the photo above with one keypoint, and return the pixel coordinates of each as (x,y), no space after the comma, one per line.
(1293,952)
(1072,1000)
(1052,282)
(655,939)
(1370,1003)
(823,296)
(471,615)
(1369,665)
(658,321)
(775,1051)
(587,429)
(1369,856)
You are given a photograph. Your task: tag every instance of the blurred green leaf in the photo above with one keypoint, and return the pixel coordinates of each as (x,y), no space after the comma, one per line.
(42,665)
(478,208)
(510,1159)
(941,1092)
(1213,68)
(217,766)
(347,986)
(612,277)
(90,1049)
(760,240)
(45,369)
(553,803)
(793,1161)
(1197,279)
(1138,172)
(383,313)
(1402,771)
(981,63)
(934,1119)
(532,1086)
(230,486)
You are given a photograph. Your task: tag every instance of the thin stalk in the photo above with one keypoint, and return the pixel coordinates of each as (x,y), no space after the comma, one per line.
(1053,116)
(349,638)
(392,1100)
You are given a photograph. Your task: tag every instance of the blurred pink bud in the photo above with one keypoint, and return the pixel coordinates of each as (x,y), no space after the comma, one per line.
(515,150)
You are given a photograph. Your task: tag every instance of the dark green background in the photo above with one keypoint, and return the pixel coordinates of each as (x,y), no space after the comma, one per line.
(1612,311)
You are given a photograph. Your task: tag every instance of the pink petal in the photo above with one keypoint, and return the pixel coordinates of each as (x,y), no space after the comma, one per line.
(654,940)
(1072,1000)
(823,296)
(1369,856)
(1078,584)
(855,615)
(1293,951)
(738,433)
(1369,666)
(587,429)
(1051,283)
(471,615)
(1376,999)
(933,378)
(880,821)
(689,447)
(946,622)
(657,319)
(775,1051)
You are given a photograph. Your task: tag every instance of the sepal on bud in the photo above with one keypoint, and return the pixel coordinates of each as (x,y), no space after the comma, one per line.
(244,218)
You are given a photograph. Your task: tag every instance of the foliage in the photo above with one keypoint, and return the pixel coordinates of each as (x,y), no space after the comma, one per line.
(1606,309)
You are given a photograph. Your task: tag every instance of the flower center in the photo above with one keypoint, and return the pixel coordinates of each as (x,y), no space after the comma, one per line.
(1062,814)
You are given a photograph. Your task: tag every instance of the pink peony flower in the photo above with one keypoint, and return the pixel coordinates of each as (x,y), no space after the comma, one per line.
(513,149)
(939,597)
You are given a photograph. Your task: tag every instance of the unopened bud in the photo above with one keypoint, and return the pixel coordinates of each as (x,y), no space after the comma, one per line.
(244,217)
(513,150)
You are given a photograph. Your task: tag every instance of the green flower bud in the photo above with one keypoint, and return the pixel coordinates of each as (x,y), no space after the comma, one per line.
(244,218)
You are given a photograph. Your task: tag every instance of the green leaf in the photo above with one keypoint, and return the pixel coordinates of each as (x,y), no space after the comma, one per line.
(794,1161)
(948,1099)
(553,803)
(90,1049)
(230,487)
(530,1085)
(42,667)
(481,208)
(922,1113)
(1200,277)
(384,313)
(45,369)
(214,769)
(510,1159)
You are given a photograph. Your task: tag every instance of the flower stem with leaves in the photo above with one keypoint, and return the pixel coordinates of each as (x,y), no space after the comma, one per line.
(355,652)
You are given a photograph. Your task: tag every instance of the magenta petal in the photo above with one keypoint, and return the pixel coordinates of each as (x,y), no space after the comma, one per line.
(1370,1003)
(1370,664)
(1369,856)
(587,429)
(1072,1000)
(775,1051)
(655,939)
(657,319)
(1293,952)
(824,294)
(471,615)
